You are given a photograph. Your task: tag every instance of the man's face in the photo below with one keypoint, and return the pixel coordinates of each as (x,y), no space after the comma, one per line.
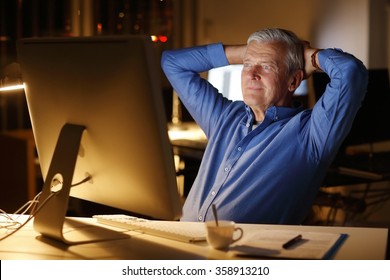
(264,81)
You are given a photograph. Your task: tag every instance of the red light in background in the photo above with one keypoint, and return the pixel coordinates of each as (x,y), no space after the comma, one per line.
(163,38)
(99,28)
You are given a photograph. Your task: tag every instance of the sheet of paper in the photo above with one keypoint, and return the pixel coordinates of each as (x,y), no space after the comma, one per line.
(269,243)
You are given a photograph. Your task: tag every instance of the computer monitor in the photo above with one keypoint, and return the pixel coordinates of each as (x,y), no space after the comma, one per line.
(373,118)
(99,124)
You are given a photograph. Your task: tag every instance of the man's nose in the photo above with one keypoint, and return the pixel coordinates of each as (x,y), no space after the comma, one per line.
(254,73)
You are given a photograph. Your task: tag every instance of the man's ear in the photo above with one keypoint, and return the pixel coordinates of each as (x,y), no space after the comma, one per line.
(295,80)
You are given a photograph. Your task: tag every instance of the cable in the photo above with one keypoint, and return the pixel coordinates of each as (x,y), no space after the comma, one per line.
(32,215)
(21,211)
(32,204)
(86,179)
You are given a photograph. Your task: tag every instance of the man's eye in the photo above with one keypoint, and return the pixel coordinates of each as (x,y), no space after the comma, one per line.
(266,67)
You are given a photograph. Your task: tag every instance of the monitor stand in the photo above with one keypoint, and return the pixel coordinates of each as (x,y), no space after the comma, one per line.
(50,219)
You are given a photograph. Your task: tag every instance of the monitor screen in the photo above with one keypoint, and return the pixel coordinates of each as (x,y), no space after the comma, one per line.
(107,90)
(373,118)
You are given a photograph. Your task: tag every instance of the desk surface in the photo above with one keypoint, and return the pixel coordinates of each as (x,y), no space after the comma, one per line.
(362,243)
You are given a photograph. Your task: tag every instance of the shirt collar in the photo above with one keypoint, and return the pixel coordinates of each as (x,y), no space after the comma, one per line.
(275,113)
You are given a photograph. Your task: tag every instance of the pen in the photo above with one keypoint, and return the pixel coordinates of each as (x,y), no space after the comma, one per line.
(292,241)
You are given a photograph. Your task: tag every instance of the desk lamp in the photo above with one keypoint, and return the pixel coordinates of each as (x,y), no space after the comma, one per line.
(11,78)
(10,81)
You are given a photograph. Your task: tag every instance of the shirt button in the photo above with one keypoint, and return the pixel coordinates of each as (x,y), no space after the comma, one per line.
(239,149)
(226,169)
(213,193)
(200,218)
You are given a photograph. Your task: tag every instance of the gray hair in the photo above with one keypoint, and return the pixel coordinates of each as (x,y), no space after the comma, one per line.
(294,46)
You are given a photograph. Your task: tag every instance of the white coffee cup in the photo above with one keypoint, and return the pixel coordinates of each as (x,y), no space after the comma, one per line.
(221,236)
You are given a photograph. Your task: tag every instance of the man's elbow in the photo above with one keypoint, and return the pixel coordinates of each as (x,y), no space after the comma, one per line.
(167,60)
(358,74)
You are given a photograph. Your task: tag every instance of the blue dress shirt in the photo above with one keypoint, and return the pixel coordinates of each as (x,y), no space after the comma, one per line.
(270,174)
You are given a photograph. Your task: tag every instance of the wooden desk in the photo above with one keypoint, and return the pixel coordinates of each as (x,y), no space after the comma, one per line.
(361,244)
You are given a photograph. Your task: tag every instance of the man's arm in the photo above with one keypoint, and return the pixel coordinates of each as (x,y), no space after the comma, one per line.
(332,116)
(235,53)
(182,68)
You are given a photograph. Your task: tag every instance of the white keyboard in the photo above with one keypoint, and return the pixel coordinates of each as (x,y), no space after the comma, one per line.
(181,231)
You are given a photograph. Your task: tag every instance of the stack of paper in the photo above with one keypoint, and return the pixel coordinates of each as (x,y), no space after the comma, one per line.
(269,243)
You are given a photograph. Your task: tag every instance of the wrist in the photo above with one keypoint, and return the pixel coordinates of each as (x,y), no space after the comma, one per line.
(314,59)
